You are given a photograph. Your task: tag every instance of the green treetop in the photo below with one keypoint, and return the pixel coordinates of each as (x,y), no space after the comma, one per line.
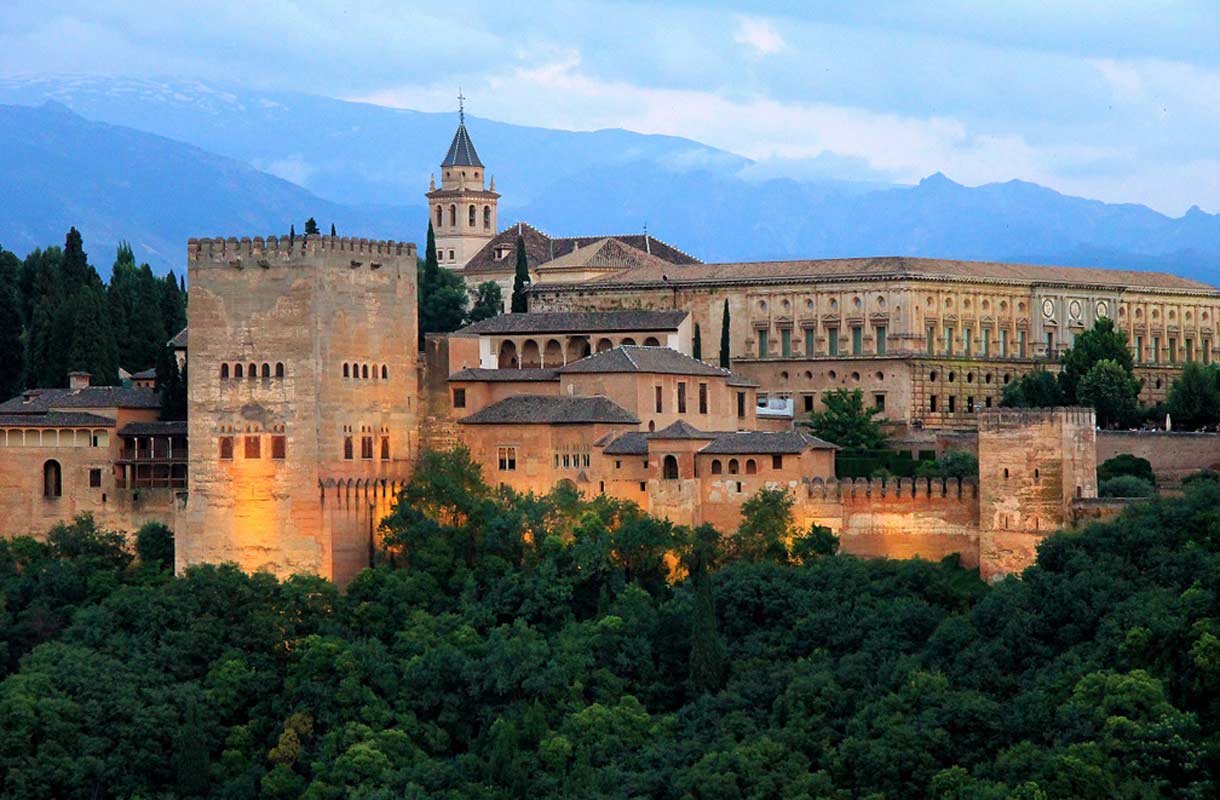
(521,280)
(846,421)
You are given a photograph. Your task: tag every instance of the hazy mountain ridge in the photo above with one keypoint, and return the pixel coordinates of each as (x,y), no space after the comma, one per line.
(366,167)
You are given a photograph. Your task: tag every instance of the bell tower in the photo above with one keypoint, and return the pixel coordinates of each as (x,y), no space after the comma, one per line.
(463,209)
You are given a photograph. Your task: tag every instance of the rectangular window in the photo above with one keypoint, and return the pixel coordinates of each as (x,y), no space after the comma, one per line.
(741,404)
(567,462)
(1156,349)
(1004,343)
(1173,350)
(785,342)
(254,447)
(987,402)
(932,404)
(808,342)
(1139,349)
(385,448)
(948,340)
(347,448)
(967,341)
(658,392)
(879,402)
(279,447)
(881,332)
(833,335)
(931,341)
(970,405)
(506,458)
(1021,344)
(1207,352)
(986,342)
(952,404)
(226,448)
(1050,344)
(366,447)
(857,340)
(459,398)
(777,461)
(762,344)
(95,478)
(1190,350)
(703,398)
(681,397)
(808,398)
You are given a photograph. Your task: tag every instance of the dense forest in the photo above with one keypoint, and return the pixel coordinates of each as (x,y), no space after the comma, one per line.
(57,316)
(514,646)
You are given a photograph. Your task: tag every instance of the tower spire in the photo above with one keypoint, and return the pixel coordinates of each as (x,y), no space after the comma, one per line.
(461,106)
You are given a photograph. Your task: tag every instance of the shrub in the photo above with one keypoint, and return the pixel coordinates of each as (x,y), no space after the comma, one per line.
(1126,464)
(1126,486)
(155,545)
(953,464)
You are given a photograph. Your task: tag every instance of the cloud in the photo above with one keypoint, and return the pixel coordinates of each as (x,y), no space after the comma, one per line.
(758,35)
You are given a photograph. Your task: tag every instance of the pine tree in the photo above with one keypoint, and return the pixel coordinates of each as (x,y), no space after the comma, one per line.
(697,347)
(724,338)
(311,227)
(171,385)
(521,280)
(706,667)
(75,269)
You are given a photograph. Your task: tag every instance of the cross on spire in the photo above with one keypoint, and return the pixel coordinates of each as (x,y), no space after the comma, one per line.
(461,106)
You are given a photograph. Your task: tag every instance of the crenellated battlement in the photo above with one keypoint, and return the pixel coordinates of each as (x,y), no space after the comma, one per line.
(283,249)
(997,419)
(882,490)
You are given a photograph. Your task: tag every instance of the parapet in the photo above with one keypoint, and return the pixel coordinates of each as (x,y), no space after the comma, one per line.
(892,489)
(259,251)
(999,419)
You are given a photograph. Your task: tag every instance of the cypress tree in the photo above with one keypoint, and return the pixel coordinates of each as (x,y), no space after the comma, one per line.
(11,324)
(706,668)
(332,230)
(75,268)
(38,349)
(123,301)
(173,307)
(697,348)
(171,385)
(292,235)
(521,280)
(92,345)
(724,337)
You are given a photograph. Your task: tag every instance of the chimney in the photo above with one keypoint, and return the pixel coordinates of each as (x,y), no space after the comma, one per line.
(78,380)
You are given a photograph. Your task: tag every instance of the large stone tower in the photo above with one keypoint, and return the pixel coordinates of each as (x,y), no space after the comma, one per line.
(463,209)
(301,404)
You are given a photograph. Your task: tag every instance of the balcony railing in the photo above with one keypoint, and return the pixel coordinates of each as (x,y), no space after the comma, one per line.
(159,454)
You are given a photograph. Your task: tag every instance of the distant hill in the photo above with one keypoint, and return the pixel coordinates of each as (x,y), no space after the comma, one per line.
(367,168)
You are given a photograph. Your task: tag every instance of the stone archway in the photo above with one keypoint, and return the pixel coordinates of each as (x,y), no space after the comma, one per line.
(578,348)
(604,344)
(531,356)
(508,355)
(553,355)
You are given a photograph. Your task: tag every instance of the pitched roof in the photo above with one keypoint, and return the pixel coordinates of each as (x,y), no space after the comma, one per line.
(55,419)
(892,267)
(606,253)
(145,374)
(527,409)
(632,443)
(681,429)
(636,358)
(764,442)
(578,322)
(461,150)
(541,248)
(504,375)
(160,428)
(40,401)
(179,340)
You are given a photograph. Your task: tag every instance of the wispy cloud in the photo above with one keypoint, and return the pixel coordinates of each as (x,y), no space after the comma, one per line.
(758,35)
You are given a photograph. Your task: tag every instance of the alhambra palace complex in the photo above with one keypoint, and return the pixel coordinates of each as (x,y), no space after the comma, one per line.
(310,397)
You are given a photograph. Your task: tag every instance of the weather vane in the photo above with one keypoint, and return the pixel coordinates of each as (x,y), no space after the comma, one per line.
(461,106)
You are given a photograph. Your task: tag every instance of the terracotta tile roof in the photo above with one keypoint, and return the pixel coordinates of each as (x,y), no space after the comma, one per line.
(765,443)
(504,375)
(578,322)
(528,409)
(541,248)
(607,253)
(461,150)
(892,267)
(40,401)
(636,358)
(681,429)
(161,428)
(632,443)
(55,419)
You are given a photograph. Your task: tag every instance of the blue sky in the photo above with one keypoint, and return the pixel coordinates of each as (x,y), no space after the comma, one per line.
(1115,100)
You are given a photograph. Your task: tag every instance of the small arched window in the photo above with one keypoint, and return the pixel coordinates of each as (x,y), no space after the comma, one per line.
(385,373)
(224,372)
(733,466)
(52,479)
(347,448)
(347,370)
(237,371)
(452,215)
(385,448)
(364,373)
(266,370)
(670,468)
(716,468)
(751,467)
(439,218)
(487,218)
(470,215)
(253,373)
(279,369)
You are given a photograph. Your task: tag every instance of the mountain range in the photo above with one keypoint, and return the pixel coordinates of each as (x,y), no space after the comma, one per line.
(156,162)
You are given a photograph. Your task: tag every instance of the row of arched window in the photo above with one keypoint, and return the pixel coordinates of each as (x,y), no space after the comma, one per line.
(252,371)
(734,467)
(471,216)
(366,371)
